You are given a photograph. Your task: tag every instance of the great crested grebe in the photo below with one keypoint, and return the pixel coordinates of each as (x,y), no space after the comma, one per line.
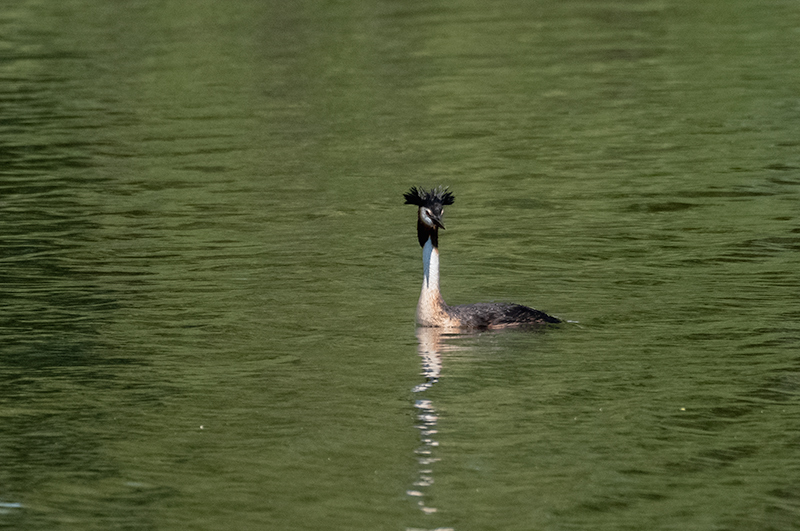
(431,309)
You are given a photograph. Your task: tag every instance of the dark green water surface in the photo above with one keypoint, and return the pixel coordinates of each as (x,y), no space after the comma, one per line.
(208,278)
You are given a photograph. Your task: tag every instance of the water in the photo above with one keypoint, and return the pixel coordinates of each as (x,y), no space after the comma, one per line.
(209,278)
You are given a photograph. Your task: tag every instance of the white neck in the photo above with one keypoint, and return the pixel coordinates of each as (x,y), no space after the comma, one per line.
(430,309)
(430,264)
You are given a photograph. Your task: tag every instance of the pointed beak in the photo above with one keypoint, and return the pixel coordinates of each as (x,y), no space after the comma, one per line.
(430,218)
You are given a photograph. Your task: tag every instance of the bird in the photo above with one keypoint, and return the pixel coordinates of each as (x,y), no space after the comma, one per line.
(432,311)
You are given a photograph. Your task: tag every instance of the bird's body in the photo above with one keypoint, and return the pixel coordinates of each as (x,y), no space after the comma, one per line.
(431,309)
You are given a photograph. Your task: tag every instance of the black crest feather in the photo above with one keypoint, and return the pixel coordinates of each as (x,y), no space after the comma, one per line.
(421,197)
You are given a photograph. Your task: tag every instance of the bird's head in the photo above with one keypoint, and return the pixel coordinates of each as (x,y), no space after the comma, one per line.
(431,209)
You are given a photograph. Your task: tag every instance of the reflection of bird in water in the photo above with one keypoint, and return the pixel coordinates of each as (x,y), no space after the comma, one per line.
(431,309)
(430,349)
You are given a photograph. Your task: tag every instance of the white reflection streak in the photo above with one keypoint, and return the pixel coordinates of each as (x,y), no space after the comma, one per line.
(429,349)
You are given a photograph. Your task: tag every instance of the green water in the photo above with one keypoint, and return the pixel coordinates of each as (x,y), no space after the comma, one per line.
(208,278)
